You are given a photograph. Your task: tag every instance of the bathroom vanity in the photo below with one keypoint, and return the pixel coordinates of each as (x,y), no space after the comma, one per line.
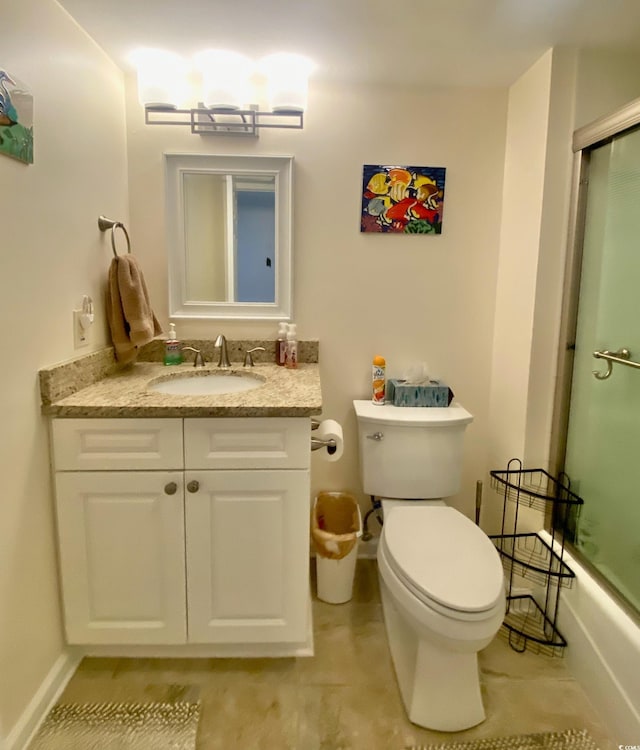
(183,521)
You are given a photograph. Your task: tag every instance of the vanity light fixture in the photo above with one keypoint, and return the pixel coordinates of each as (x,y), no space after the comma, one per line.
(226,82)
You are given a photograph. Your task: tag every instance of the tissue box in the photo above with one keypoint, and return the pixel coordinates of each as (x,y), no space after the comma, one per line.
(433,393)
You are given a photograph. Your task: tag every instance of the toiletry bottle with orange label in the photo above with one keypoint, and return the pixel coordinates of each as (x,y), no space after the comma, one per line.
(281,343)
(291,355)
(379,378)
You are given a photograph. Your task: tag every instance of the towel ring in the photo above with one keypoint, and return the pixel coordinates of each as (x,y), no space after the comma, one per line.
(104,224)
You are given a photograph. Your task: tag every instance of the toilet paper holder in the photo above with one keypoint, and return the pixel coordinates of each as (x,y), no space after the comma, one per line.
(317,443)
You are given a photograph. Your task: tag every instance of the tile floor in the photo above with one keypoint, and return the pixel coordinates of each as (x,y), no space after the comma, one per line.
(343,698)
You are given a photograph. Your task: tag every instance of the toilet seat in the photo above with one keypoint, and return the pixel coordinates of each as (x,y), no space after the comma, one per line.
(444,559)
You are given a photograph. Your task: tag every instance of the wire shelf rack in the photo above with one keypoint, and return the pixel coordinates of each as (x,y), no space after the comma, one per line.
(535,488)
(532,558)
(527,628)
(528,623)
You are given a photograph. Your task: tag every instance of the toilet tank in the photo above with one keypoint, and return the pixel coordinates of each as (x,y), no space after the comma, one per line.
(411,452)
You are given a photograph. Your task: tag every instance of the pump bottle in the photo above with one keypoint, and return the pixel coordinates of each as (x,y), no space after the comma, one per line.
(291,359)
(281,343)
(172,347)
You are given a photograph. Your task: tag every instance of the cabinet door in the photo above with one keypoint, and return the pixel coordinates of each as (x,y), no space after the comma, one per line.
(247,556)
(122,556)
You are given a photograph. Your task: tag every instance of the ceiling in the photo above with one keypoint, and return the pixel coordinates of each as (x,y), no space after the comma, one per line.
(393,42)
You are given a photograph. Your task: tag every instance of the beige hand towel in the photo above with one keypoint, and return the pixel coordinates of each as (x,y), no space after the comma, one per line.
(131,319)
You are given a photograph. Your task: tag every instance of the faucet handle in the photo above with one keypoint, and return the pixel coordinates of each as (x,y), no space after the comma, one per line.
(198,358)
(248,355)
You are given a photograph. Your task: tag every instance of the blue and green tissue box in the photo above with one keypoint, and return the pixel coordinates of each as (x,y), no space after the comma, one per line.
(433,393)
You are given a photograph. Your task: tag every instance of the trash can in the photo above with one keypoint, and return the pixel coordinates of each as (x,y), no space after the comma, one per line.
(336,526)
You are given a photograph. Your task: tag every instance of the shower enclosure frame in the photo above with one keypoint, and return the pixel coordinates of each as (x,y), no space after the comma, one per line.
(597,133)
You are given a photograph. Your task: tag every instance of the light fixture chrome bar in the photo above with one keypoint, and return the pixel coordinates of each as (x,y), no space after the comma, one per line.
(205,121)
(621,357)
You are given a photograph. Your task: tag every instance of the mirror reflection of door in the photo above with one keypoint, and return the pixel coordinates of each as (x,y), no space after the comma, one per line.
(230,237)
(255,242)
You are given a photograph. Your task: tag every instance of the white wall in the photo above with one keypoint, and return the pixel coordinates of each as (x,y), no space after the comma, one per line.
(408,298)
(549,281)
(51,254)
(524,172)
(607,80)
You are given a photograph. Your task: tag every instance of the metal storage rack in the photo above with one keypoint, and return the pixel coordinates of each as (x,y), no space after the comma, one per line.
(530,620)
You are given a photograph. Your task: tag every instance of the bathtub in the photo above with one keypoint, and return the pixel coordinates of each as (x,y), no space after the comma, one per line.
(603,652)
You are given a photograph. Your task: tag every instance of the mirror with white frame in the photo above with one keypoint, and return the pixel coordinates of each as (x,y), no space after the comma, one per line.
(229,227)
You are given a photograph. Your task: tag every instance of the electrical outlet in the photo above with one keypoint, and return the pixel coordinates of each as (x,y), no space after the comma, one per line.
(80,334)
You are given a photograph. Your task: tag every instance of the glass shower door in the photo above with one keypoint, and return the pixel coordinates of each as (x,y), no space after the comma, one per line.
(603,440)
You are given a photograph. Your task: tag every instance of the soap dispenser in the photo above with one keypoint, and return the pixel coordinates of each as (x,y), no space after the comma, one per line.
(291,359)
(281,343)
(172,347)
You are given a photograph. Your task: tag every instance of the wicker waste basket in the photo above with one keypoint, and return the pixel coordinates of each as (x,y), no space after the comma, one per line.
(336,526)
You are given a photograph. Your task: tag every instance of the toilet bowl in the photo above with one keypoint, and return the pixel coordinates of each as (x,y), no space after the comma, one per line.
(441,578)
(443,597)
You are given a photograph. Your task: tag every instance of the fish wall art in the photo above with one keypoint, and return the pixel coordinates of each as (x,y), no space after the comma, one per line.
(403,200)
(16,118)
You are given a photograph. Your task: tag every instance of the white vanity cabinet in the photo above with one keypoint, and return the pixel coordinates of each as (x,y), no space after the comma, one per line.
(190,531)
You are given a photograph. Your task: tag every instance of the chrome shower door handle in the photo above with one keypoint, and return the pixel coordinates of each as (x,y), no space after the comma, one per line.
(622,357)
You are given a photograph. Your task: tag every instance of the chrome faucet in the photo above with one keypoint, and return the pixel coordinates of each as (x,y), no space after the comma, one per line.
(198,360)
(223,361)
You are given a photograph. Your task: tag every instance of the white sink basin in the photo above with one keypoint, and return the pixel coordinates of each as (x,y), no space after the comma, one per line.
(206,384)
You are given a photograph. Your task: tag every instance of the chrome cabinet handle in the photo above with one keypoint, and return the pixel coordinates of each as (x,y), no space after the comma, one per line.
(376,436)
(170,488)
(193,485)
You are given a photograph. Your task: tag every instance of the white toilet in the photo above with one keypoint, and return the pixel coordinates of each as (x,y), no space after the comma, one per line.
(441,578)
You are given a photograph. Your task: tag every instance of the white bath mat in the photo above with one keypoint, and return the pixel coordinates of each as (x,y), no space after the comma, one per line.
(571,739)
(119,726)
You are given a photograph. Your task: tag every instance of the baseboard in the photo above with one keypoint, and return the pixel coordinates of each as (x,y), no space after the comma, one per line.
(39,706)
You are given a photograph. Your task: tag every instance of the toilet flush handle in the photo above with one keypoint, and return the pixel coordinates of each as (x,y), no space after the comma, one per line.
(376,436)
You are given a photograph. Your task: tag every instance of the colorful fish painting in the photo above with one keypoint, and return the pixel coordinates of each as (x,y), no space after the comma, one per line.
(16,119)
(405,200)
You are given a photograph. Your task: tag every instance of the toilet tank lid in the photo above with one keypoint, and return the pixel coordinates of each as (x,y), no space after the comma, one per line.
(413,416)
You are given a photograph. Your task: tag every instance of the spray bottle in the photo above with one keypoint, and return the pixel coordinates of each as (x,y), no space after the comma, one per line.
(379,379)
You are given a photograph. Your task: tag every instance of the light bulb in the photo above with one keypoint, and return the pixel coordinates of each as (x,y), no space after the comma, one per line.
(287,77)
(225,78)
(162,78)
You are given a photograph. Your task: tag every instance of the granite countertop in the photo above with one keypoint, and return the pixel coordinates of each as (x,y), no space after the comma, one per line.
(285,393)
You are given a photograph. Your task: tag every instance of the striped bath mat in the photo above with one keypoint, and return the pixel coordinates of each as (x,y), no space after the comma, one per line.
(571,739)
(119,726)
